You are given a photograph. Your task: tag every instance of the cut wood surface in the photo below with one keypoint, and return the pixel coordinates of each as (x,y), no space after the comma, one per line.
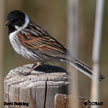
(36,90)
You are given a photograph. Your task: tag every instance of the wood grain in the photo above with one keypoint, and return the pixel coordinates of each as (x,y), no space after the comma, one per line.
(31,89)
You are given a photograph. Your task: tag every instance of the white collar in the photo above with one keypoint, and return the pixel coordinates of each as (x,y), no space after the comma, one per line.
(27,20)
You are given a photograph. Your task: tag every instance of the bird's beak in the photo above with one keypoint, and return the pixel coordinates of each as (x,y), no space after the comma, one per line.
(7,23)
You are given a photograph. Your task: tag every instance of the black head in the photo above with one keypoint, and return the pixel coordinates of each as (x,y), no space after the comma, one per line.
(15,18)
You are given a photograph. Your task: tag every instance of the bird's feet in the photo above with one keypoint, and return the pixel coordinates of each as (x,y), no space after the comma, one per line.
(35,66)
(31,69)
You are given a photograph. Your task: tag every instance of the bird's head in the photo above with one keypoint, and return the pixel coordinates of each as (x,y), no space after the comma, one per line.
(17,19)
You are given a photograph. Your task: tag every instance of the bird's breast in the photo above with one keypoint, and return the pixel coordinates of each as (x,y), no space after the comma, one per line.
(15,42)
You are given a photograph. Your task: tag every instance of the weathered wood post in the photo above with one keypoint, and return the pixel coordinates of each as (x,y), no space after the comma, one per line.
(36,90)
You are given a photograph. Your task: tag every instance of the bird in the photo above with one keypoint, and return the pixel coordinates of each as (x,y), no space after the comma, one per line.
(32,41)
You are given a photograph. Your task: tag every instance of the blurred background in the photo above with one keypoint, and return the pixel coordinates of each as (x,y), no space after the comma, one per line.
(52,15)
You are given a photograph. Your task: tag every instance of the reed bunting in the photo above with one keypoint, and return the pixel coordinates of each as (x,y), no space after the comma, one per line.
(33,42)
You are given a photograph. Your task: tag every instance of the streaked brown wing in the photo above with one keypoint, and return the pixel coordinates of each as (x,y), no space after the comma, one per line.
(46,45)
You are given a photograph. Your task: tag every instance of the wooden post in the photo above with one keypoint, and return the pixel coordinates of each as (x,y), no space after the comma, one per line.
(36,90)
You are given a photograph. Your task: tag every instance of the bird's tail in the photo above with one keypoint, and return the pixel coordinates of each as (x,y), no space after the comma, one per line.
(82,67)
